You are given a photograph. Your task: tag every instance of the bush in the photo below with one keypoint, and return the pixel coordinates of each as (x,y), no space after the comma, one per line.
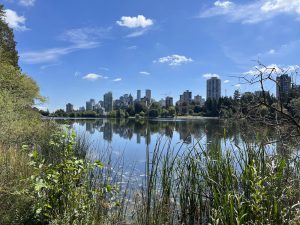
(65,191)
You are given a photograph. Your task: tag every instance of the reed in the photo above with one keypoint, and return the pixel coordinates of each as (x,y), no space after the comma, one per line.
(217,184)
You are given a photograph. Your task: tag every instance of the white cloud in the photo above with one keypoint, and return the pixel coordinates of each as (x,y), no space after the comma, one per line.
(238,85)
(223,4)
(27,2)
(254,12)
(271,51)
(52,54)
(117,79)
(174,60)
(133,47)
(104,68)
(281,6)
(92,77)
(77,74)
(273,68)
(81,38)
(210,75)
(137,33)
(139,21)
(15,21)
(43,67)
(226,81)
(144,73)
(85,35)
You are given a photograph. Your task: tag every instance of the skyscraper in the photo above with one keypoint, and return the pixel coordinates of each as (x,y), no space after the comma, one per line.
(69,108)
(138,95)
(89,106)
(108,102)
(169,101)
(213,88)
(283,86)
(148,96)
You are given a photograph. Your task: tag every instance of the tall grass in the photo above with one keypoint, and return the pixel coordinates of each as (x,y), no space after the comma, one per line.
(15,207)
(184,184)
(213,184)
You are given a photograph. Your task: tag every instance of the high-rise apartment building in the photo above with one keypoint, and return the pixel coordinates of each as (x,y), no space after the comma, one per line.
(186,97)
(89,105)
(283,87)
(199,100)
(169,101)
(69,108)
(213,88)
(138,95)
(148,96)
(108,102)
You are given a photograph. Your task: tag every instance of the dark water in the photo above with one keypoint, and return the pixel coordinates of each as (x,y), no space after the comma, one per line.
(130,139)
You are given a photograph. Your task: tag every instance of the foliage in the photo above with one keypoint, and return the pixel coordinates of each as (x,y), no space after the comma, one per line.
(153,113)
(15,175)
(8,52)
(20,123)
(63,191)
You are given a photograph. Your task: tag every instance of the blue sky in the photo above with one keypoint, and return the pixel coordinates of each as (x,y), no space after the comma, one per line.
(77,50)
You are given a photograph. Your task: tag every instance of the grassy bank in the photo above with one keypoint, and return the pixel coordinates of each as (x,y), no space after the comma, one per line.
(194,184)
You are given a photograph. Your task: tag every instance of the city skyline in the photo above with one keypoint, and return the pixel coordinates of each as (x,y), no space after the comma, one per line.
(91,48)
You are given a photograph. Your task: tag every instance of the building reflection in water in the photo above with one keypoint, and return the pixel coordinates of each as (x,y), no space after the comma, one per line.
(211,129)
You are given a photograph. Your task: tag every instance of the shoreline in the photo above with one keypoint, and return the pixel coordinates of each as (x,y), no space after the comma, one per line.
(177,118)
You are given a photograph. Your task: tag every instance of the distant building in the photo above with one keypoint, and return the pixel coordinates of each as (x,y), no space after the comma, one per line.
(162,103)
(81,109)
(213,88)
(148,96)
(89,105)
(108,102)
(69,108)
(283,87)
(199,100)
(169,101)
(123,102)
(99,109)
(295,91)
(93,102)
(261,93)
(138,95)
(101,103)
(186,97)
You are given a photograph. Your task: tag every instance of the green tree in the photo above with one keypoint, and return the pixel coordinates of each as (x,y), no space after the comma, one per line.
(8,52)
(164,113)
(139,107)
(130,110)
(153,113)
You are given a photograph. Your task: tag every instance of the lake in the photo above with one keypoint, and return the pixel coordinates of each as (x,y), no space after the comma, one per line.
(128,141)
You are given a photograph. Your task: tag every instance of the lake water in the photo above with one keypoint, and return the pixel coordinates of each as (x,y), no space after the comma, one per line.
(128,141)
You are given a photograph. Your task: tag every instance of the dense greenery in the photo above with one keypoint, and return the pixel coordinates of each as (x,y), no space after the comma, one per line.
(139,108)
(8,52)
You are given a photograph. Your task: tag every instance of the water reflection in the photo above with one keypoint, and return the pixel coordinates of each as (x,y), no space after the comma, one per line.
(210,130)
